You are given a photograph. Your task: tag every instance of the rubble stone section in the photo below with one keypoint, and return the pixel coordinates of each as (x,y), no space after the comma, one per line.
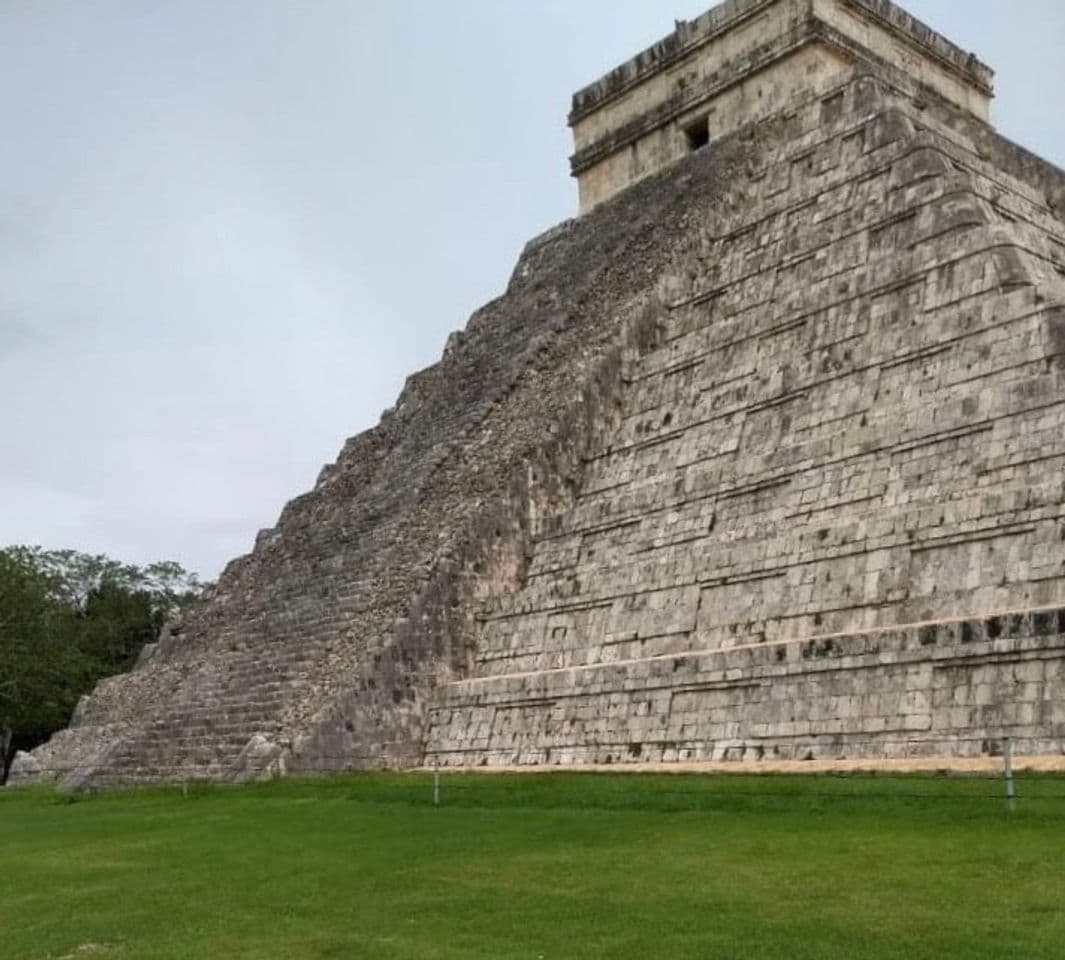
(761,458)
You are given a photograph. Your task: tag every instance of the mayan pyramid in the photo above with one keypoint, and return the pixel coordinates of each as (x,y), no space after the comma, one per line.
(761,456)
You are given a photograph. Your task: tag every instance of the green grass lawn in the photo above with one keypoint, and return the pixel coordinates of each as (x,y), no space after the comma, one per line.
(551,866)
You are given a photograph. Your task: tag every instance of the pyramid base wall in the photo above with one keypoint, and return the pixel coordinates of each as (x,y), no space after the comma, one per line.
(951,689)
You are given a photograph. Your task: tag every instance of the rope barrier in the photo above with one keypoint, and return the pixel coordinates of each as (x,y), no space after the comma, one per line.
(555,786)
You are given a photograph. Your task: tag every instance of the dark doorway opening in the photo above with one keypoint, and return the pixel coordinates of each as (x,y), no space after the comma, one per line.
(697,134)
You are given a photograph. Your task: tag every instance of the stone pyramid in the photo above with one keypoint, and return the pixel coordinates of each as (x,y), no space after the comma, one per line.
(758,458)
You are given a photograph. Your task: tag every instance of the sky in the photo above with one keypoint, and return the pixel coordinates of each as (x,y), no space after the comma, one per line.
(230,229)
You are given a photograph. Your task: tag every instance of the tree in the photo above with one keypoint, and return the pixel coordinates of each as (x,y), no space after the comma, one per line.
(73,576)
(41,668)
(67,620)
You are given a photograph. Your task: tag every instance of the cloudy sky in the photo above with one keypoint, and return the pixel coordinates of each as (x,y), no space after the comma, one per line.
(229,229)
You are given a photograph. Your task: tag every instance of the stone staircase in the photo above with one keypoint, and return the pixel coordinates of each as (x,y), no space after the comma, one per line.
(228,721)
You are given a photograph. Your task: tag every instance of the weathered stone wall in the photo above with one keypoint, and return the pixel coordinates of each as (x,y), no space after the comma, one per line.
(929,59)
(951,689)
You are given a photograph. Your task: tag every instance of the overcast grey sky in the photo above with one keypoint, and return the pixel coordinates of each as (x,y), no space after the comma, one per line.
(229,230)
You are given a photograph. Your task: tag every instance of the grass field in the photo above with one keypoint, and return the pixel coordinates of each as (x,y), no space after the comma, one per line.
(552,866)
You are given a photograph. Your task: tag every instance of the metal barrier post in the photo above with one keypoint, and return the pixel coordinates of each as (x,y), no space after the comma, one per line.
(436,783)
(1007,770)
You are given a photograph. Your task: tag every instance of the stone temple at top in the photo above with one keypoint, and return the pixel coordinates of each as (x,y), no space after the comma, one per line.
(741,62)
(761,457)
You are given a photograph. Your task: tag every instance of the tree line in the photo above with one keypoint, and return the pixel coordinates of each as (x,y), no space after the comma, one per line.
(67,620)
